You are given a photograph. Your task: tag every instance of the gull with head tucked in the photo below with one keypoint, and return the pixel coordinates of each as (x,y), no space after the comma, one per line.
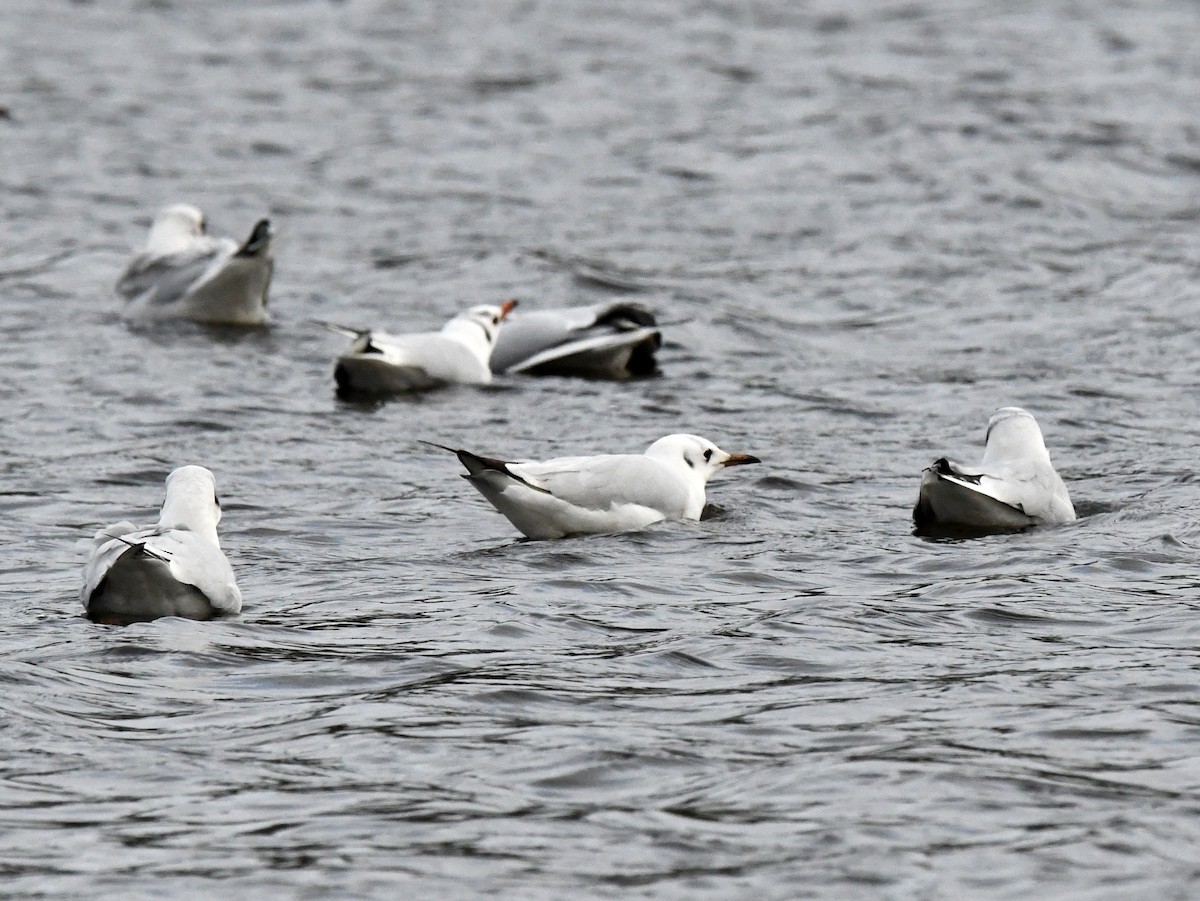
(607,493)
(173,568)
(379,364)
(183,273)
(604,341)
(1013,487)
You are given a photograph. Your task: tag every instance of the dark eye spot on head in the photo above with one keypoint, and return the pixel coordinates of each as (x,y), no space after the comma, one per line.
(495,320)
(708,455)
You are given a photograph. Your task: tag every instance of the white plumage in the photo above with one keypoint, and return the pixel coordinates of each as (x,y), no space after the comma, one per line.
(377,363)
(608,493)
(173,568)
(183,273)
(1014,486)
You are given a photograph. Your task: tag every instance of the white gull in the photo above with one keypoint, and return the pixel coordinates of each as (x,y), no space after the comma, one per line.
(377,363)
(183,273)
(173,568)
(1013,487)
(607,493)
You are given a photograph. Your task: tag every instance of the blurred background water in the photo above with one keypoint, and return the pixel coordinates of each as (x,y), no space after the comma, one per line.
(868,225)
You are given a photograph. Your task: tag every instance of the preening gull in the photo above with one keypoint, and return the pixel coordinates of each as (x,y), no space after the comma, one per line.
(377,363)
(1013,487)
(604,341)
(183,273)
(608,493)
(174,568)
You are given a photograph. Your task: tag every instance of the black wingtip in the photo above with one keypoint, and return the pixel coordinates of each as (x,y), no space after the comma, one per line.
(944,467)
(260,237)
(475,464)
(139,547)
(627,316)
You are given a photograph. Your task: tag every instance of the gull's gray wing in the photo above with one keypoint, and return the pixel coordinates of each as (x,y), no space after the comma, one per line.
(529,333)
(607,481)
(617,355)
(161,280)
(194,560)
(106,547)
(1032,486)
(190,558)
(1007,494)
(954,496)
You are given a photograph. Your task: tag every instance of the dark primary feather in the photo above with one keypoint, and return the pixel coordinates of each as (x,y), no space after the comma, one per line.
(944,467)
(626,316)
(260,238)
(477,465)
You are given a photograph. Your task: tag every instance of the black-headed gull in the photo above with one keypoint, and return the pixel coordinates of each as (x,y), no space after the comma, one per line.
(1013,487)
(608,493)
(174,568)
(377,363)
(604,341)
(183,273)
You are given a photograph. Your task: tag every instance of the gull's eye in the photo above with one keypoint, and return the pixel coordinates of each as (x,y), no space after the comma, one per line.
(203,225)
(495,320)
(218,501)
(708,455)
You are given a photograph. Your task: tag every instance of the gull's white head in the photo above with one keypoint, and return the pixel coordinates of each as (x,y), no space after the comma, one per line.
(1013,433)
(175,228)
(479,326)
(191,502)
(696,456)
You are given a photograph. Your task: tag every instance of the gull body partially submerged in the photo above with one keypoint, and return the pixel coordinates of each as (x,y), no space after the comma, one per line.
(607,493)
(378,364)
(183,273)
(173,568)
(1014,486)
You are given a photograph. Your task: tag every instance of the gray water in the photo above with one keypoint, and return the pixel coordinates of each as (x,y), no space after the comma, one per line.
(868,226)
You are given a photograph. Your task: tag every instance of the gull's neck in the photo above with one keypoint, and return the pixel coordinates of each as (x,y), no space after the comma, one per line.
(181,510)
(472,334)
(1016,440)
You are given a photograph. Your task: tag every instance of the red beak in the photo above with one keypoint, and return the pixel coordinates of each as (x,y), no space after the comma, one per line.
(506,308)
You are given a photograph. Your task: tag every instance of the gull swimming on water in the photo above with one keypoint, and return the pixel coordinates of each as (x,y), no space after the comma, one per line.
(604,341)
(1013,487)
(377,363)
(183,273)
(174,568)
(608,493)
